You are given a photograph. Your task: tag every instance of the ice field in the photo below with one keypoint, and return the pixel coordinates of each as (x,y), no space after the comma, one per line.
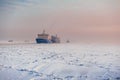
(59,62)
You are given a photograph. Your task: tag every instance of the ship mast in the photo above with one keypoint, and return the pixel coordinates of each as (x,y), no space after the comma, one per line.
(43,31)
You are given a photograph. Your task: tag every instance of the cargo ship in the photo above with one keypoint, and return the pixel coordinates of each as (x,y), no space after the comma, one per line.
(46,38)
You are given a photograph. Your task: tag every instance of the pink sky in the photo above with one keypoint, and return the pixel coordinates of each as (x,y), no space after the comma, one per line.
(69,19)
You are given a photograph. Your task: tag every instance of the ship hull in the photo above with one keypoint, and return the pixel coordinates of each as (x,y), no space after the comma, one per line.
(40,40)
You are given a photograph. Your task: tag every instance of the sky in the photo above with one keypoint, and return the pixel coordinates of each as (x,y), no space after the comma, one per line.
(70,19)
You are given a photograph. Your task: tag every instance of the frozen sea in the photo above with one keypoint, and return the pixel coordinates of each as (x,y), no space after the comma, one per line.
(59,62)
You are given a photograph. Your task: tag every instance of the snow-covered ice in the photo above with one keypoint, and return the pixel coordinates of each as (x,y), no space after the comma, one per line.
(59,62)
